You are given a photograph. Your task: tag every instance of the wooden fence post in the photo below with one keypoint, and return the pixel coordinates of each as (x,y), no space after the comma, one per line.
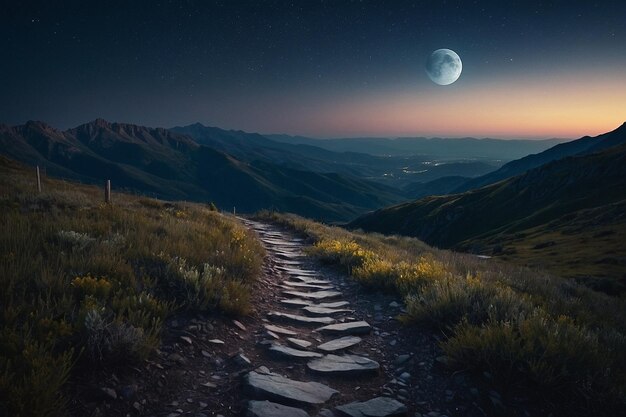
(107,192)
(38,180)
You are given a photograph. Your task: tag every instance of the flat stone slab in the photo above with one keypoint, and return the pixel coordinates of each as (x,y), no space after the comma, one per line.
(352,327)
(299,343)
(333,304)
(274,387)
(280,243)
(343,365)
(316,295)
(297,271)
(299,285)
(284,254)
(339,344)
(295,318)
(289,262)
(376,407)
(309,280)
(295,302)
(279,330)
(291,353)
(270,409)
(324,311)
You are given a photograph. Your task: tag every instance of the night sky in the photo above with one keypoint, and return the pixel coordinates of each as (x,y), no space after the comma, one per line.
(318,68)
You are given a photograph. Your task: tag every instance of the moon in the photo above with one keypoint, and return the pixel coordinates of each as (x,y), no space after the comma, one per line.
(444,66)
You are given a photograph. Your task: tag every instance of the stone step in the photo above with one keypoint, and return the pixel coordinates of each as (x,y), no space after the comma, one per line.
(277,243)
(309,280)
(339,344)
(295,302)
(270,409)
(298,285)
(287,352)
(299,343)
(279,330)
(333,304)
(349,328)
(286,262)
(297,271)
(324,311)
(379,407)
(344,365)
(286,253)
(317,295)
(264,385)
(298,319)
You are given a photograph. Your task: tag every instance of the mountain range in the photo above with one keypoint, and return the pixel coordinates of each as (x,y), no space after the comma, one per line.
(558,202)
(230,168)
(171,165)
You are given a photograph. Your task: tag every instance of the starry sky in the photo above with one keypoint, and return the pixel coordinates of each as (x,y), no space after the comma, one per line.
(334,68)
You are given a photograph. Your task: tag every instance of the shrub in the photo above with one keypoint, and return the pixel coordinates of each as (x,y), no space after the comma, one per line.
(347,254)
(553,353)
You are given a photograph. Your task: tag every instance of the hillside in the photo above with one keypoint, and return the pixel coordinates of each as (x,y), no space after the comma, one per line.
(171,165)
(542,202)
(582,146)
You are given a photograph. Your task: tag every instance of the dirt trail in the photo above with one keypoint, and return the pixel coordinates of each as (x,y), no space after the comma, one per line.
(316,344)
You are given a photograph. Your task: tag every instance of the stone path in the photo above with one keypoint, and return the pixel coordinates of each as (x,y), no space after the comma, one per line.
(319,331)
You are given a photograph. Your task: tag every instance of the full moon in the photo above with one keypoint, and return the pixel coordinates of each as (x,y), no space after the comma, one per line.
(444,66)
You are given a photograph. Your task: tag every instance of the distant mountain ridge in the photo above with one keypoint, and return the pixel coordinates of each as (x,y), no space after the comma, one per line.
(439,147)
(582,146)
(395,171)
(173,165)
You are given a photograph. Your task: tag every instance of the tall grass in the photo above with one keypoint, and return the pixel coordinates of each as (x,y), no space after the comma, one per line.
(523,326)
(92,283)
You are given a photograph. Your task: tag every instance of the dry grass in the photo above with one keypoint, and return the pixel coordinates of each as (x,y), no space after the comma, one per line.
(89,282)
(525,327)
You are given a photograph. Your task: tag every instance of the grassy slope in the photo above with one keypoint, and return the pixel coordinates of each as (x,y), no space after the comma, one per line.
(496,219)
(90,284)
(528,329)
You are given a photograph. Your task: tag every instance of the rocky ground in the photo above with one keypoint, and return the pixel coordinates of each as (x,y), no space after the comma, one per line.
(316,345)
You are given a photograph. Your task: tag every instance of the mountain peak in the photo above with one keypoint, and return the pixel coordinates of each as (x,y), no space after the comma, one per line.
(99,122)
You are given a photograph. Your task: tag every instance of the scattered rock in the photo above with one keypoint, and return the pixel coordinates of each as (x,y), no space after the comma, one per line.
(186,339)
(209,385)
(405,377)
(269,409)
(339,344)
(239,325)
(376,407)
(241,360)
(394,304)
(343,365)
(110,393)
(274,387)
(352,327)
(216,341)
(401,360)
